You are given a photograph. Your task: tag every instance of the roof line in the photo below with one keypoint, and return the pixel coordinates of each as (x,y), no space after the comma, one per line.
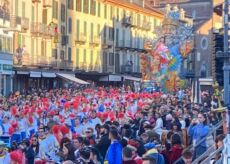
(135,7)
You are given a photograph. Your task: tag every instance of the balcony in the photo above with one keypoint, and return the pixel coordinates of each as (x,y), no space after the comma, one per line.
(47,3)
(90,67)
(124,45)
(24,23)
(62,64)
(36,1)
(139,25)
(126,21)
(57,38)
(26,60)
(120,44)
(127,69)
(108,44)
(134,22)
(81,39)
(146,26)
(83,66)
(108,68)
(95,41)
(37,28)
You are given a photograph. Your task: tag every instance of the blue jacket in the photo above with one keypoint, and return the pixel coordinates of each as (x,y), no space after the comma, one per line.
(114,153)
(199,132)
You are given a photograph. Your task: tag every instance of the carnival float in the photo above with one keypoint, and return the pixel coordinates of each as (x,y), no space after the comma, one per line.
(173,42)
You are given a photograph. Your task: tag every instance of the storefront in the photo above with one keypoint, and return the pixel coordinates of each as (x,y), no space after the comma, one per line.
(115,80)
(6,74)
(133,82)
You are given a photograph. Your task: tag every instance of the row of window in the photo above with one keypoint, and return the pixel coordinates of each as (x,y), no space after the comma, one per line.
(6,44)
(95,8)
(106,30)
(78,54)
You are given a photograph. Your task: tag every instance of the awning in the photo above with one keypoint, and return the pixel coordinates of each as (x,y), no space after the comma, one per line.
(132,78)
(22,73)
(35,74)
(72,78)
(104,78)
(48,74)
(110,78)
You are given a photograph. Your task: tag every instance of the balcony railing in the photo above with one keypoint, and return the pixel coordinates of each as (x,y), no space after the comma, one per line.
(133,22)
(36,28)
(24,23)
(146,26)
(81,39)
(127,68)
(95,41)
(36,1)
(83,66)
(36,61)
(108,44)
(62,64)
(40,29)
(120,44)
(97,68)
(47,3)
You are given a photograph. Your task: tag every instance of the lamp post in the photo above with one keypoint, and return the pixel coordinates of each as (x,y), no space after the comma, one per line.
(226,69)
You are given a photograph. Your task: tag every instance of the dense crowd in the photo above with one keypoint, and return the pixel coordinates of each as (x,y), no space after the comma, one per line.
(104,125)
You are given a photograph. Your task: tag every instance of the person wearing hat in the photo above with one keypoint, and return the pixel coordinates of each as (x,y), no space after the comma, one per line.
(4,155)
(104,142)
(134,146)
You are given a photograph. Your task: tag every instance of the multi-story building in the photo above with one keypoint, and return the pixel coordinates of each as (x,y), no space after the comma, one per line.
(81,37)
(6,48)
(108,36)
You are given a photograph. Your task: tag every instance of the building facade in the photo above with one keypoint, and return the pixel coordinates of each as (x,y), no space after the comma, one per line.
(81,37)
(108,36)
(6,48)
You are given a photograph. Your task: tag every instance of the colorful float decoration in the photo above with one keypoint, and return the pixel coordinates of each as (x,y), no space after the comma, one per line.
(174,42)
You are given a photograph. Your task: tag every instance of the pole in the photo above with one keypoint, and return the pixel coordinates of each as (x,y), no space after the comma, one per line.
(226,62)
(226,70)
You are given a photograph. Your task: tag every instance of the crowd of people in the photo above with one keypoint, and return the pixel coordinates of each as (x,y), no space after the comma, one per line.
(104,125)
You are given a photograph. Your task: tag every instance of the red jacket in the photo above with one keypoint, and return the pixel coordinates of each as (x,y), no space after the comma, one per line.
(174,153)
(137,159)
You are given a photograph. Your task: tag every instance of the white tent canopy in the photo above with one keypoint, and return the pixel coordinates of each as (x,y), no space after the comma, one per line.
(72,78)
(132,78)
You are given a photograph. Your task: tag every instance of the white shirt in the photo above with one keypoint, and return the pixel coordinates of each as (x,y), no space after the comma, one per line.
(48,148)
(79,129)
(159,125)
